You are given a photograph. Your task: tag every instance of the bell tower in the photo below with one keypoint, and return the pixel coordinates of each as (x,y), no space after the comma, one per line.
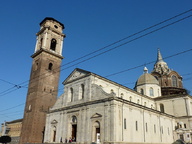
(44,79)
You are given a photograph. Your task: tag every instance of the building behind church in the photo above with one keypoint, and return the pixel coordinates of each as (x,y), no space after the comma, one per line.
(12,129)
(95,109)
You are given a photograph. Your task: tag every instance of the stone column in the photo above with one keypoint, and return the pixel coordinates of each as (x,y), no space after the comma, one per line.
(113,121)
(88,132)
(106,119)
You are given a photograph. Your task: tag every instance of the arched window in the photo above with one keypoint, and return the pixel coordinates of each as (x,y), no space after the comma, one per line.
(82,91)
(142,91)
(71,94)
(41,43)
(74,119)
(112,91)
(122,95)
(154,128)
(53,44)
(146,127)
(138,101)
(174,81)
(151,93)
(36,66)
(125,125)
(162,108)
(29,108)
(130,98)
(136,125)
(50,66)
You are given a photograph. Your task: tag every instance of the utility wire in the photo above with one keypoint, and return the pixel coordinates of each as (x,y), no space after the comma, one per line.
(7,82)
(113,74)
(129,42)
(118,45)
(35,98)
(12,107)
(150,27)
(187,74)
(15,85)
(148,63)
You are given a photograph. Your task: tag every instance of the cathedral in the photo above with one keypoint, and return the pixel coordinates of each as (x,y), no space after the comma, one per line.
(94,109)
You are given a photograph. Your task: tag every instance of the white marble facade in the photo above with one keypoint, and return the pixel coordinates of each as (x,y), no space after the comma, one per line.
(95,109)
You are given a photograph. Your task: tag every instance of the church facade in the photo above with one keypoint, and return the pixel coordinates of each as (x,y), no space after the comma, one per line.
(94,109)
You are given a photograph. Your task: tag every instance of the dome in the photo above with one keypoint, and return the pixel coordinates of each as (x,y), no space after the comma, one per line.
(148,85)
(146,78)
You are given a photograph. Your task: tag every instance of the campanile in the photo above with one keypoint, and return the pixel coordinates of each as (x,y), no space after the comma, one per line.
(44,79)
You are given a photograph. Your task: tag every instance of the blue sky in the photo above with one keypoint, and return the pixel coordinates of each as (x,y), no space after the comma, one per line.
(89,26)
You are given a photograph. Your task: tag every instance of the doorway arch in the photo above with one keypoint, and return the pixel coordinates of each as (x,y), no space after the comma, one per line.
(96,136)
(74,128)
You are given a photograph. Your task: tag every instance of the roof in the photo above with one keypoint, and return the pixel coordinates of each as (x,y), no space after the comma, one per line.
(50,18)
(70,79)
(146,78)
(15,121)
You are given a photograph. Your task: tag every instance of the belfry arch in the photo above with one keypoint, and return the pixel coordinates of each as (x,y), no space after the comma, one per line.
(53,44)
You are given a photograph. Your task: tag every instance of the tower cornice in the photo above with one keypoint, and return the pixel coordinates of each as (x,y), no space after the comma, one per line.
(49,28)
(46,51)
(52,19)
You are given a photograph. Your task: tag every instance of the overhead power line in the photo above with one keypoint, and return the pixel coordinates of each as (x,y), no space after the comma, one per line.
(148,63)
(112,75)
(20,85)
(12,107)
(141,31)
(14,86)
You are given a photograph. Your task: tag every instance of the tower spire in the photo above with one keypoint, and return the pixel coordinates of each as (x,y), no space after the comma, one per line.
(160,66)
(159,56)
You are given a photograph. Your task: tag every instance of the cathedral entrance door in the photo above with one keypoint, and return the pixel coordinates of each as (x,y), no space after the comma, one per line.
(74,132)
(96,137)
(54,135)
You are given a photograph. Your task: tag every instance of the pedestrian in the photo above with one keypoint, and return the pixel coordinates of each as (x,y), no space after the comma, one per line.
(73,139)
(65,140)
(70,140)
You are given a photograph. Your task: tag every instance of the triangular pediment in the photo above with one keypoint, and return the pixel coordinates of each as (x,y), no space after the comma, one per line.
(96,115)
(76,74)
(54,122)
